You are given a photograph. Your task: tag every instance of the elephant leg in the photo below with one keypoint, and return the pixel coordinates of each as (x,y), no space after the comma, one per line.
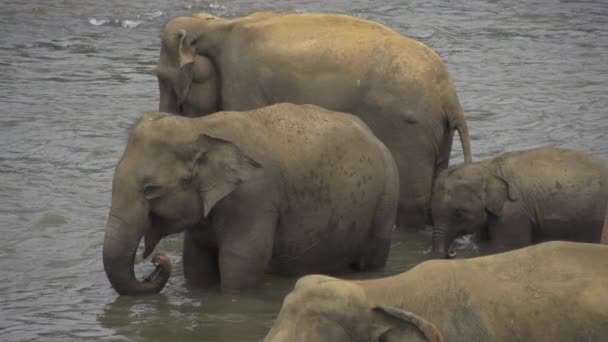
(200,262)
(414,150)
(510,232)
(413,211)
(245,240)
(378,246)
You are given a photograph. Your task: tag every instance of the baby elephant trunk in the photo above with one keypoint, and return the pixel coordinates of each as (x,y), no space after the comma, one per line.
(442,242)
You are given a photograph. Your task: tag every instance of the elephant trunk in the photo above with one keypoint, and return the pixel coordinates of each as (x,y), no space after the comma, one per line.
(168,100)
(122,238)
(442,241)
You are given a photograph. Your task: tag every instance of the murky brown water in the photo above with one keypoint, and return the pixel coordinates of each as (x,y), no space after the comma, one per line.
(75,74)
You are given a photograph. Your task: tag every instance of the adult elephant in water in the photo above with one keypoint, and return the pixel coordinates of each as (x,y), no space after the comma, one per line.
(555,291)
(285,189)
(398,86)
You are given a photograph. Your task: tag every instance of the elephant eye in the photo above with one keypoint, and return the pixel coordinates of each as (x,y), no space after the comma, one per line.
(186,180)
(202,158)
(459,213)
(150,189)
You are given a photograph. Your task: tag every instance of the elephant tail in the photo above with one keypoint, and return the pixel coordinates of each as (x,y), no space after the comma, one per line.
(459,123)
(465,140)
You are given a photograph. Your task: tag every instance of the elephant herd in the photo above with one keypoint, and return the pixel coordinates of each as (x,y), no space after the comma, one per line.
(296,144)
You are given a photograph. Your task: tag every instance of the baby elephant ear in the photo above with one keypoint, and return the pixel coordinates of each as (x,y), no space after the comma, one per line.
(407,326)
(221,166)
(497,190)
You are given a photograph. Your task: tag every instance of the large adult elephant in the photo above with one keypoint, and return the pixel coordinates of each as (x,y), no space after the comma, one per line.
(398,86)
(285,189)
(555,291)
(521,198)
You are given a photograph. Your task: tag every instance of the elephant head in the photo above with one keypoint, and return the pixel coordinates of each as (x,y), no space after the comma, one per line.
(164,184)
(464,199)
(322,308)
(187,76)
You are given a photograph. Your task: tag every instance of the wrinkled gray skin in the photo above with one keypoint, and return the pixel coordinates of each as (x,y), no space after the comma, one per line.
(554,291)
(286,189)
(398,86)
(521,198)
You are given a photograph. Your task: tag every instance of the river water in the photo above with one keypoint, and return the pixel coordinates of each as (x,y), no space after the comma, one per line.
(75,74)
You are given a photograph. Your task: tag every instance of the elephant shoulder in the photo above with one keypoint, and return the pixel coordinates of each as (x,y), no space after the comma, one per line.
(319,289)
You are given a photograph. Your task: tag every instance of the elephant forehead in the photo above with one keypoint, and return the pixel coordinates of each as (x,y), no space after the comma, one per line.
(161,129)
(324,294)
(457,194)
(462,193)
(177,23)
(171,35)
(205,16)
(460,180)
(153,116)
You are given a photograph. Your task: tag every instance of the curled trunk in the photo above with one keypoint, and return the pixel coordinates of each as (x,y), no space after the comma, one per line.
(122,238)
(168,99)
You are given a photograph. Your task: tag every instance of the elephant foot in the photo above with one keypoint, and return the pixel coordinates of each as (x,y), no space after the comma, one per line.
(162,271)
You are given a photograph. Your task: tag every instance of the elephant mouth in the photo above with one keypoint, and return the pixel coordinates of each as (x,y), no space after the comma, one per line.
(160,228)
(451,253)
(162,264)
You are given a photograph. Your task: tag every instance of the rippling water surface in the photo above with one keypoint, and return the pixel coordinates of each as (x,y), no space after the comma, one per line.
(76,74)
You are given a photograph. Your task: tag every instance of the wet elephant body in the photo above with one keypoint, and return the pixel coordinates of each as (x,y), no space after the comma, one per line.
(553,291)
(398,86)
(521,198)
(287,189)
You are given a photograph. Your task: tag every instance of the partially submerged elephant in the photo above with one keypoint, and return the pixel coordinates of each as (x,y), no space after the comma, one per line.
(398,86)
(553,291)
(521,198)
(286,189)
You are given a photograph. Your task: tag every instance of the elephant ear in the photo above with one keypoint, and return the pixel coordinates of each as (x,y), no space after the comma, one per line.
(187,48)
(402,325)
(497,190)
(221,167)
(186,62)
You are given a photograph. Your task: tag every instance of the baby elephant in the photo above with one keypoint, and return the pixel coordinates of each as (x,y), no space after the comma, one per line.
(521,198)
(286,189)
(554,291)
